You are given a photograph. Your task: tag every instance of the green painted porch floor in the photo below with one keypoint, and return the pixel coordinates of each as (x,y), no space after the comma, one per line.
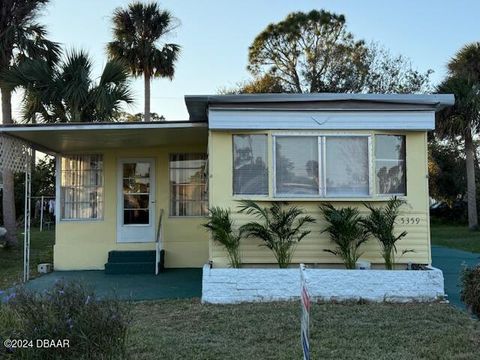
(170,284)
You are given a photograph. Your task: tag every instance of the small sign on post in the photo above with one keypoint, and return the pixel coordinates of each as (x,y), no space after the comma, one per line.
(305,313)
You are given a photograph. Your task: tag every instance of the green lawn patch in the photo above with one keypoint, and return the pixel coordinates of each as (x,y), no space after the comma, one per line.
(11,260)
(455,236)
(186,329)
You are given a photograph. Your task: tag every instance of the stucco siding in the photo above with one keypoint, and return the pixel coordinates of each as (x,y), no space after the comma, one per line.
(85,244)
(310,250)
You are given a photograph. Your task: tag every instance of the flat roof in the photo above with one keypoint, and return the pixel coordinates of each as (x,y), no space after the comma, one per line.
(76,137)
(198,105)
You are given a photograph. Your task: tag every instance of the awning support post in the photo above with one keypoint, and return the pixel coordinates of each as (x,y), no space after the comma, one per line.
(27,216)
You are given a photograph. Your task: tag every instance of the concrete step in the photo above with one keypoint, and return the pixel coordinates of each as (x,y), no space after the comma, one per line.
(130,268)
(131,256)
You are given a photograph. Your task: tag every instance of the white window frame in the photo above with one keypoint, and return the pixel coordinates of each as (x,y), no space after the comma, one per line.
(58,191)
(322,176)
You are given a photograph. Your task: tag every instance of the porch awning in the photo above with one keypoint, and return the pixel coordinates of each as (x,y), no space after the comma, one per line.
(74,137)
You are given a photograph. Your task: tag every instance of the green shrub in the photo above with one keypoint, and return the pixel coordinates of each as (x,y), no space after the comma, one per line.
(220,224)
(381,224)
(280,228)
(470,294)
(346,231)
(96,329)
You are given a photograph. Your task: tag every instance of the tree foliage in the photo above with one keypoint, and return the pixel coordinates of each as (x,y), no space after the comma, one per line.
(446,171)
(67,91)
(139,32)
(462,121)
(314,52)
(124,116)
(21,38)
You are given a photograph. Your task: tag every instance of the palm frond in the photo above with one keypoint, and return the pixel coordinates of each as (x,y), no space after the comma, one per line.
(280,227)
(221,227)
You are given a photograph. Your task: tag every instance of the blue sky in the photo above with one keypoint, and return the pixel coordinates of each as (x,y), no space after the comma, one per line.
(215,36)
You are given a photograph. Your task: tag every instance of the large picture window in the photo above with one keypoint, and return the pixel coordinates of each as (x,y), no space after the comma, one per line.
(81,187)
(188,189)
(390,169)
(322,166)
(250,172)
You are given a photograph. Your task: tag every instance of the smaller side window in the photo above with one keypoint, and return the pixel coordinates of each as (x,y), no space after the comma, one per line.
(390,167)
(250,169)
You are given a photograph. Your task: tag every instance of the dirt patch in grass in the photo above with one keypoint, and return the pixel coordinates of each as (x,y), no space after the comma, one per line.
(189,330)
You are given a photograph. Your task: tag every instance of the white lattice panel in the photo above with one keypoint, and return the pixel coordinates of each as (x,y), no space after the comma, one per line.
(14,154)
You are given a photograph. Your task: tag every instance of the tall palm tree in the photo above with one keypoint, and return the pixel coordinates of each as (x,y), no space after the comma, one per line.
(139,31)
(463,119)
(21,37)
(67,92)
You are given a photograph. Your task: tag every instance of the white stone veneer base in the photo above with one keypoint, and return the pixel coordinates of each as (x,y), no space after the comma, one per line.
(228,286)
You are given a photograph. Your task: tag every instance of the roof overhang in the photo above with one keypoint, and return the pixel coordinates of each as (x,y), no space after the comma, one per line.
(199,105)
(77,137)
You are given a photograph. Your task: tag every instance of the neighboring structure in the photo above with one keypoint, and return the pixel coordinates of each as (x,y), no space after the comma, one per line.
(114,179)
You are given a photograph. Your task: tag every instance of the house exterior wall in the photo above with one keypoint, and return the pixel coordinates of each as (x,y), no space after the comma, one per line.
(310,249)
(84,245)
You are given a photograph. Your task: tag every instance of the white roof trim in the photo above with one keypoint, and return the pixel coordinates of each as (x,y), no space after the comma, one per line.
(320,120)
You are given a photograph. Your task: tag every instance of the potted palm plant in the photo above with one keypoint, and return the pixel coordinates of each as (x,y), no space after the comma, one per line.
(221,226)
(346,231)
(280,228)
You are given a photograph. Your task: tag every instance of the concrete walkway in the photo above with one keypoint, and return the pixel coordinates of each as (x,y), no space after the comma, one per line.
(171,284)
(451,262)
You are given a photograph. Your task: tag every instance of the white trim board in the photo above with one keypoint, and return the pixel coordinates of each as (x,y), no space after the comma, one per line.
(320,120)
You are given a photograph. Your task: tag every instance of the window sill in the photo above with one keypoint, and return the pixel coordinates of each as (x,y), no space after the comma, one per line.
(319,199)
(79,220)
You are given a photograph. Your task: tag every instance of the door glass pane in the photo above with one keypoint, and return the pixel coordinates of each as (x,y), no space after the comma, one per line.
(138,185)
(296,161)
(135,217)
(347,166)
(136,193)
(138,169)
(135,201)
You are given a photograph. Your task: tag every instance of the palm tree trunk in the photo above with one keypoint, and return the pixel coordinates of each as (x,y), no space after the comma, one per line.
(471,186)
(8,203)
(146,78)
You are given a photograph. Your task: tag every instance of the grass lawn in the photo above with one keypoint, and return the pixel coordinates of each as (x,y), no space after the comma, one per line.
(455,236)
(186,329)
(11,261)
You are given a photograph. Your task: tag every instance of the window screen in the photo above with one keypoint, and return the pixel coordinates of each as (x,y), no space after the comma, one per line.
(188,185)
(390,169)
(347,166)
(250,174)
(81,187)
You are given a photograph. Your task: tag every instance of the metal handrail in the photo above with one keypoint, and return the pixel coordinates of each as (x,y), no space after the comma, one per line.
(159,242)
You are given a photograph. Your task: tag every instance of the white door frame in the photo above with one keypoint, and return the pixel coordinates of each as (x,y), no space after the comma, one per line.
(136,233)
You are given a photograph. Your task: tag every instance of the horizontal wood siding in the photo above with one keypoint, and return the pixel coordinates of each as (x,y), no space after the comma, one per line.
(310,250)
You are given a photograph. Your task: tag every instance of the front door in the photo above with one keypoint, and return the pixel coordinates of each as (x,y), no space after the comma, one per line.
(136,205)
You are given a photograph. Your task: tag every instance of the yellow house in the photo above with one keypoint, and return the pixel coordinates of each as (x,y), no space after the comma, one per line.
(131,196)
